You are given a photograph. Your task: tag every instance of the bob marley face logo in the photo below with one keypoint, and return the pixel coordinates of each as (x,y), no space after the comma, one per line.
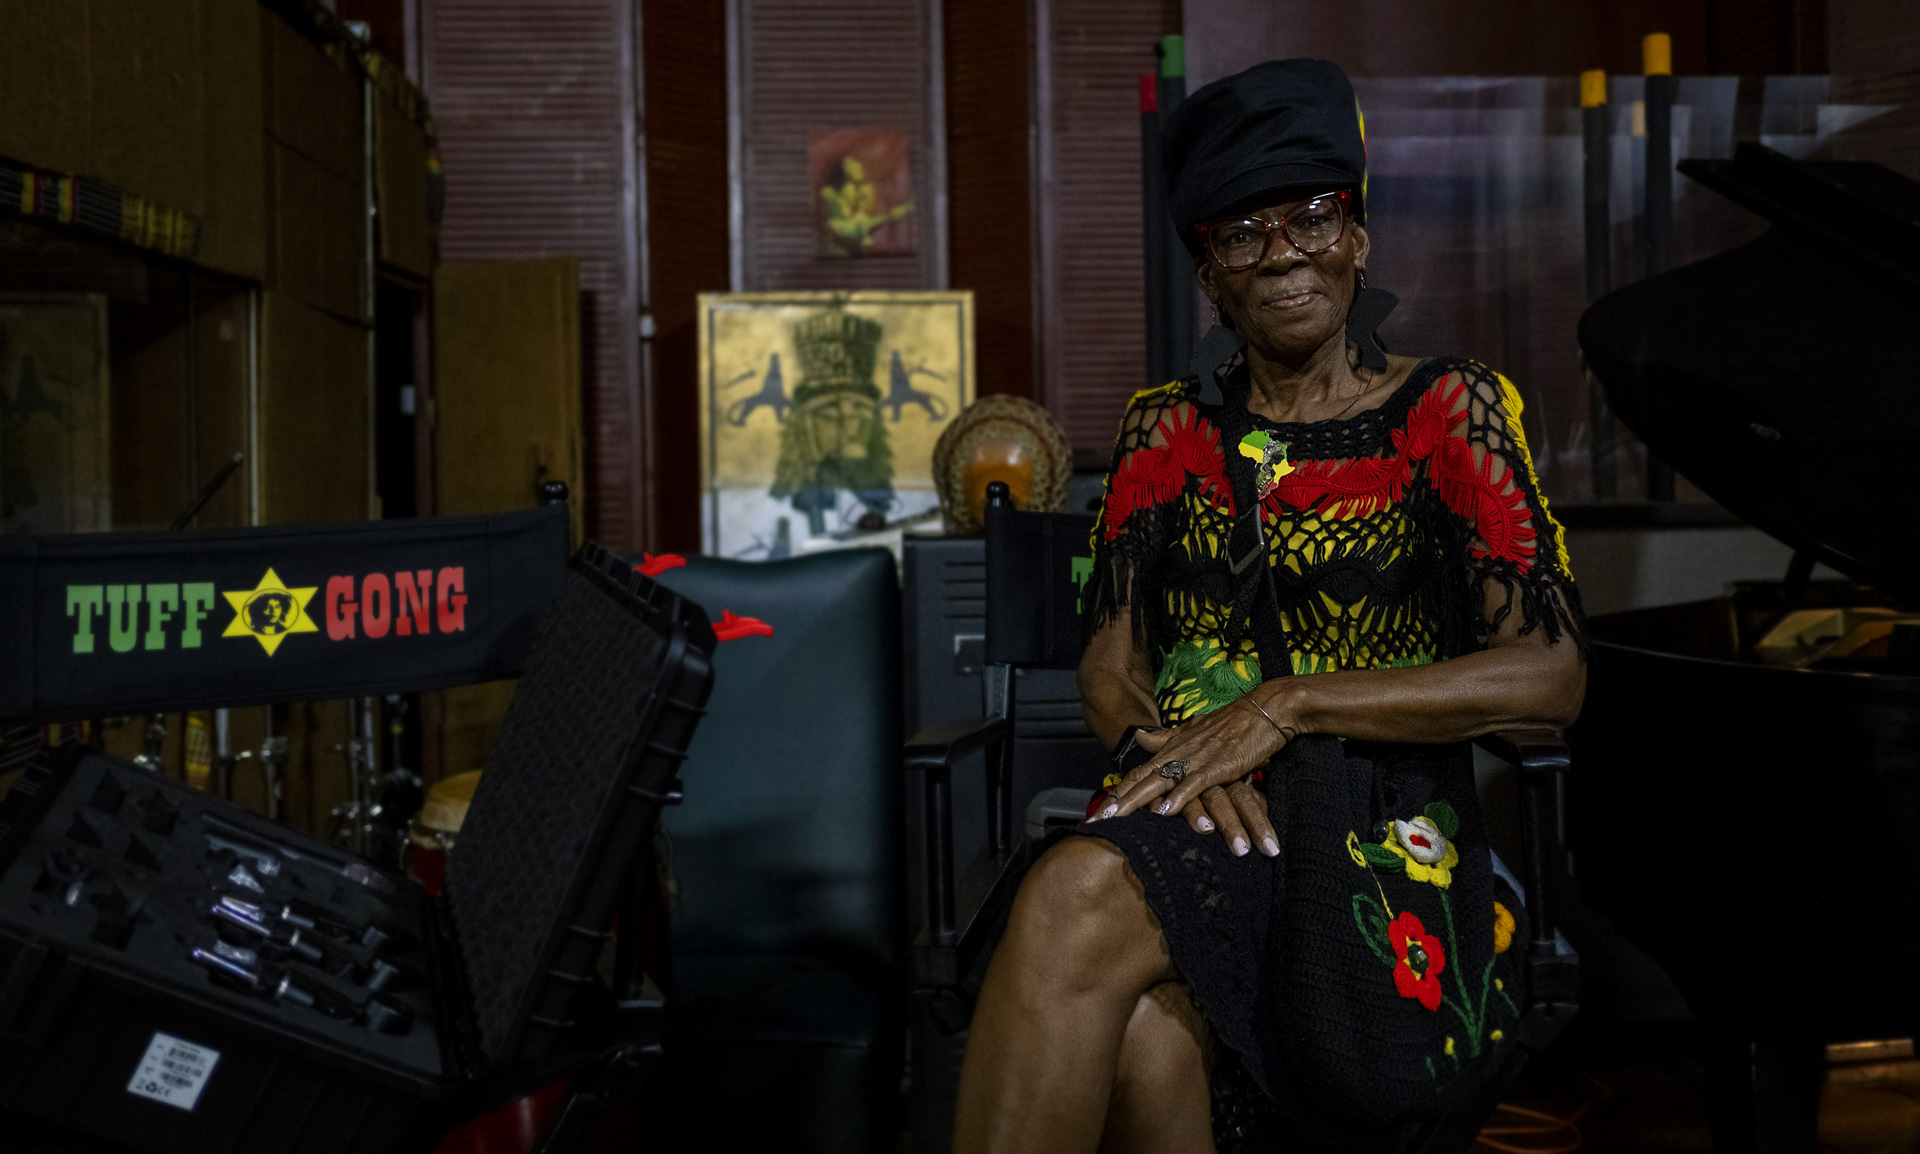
(269,611)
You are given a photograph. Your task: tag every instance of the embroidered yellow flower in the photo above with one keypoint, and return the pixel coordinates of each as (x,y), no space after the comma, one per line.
(1502,928)
(1430,856)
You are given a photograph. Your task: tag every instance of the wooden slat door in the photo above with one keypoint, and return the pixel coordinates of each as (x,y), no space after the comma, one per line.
(535,112)
(506,384)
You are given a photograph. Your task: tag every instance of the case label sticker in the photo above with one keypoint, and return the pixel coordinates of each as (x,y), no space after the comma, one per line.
(173,1071)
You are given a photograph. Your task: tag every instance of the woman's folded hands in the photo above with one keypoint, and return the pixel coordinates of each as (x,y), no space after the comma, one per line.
(1199,770)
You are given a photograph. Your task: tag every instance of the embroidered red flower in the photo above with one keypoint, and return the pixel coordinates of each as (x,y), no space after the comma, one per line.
(1417,972)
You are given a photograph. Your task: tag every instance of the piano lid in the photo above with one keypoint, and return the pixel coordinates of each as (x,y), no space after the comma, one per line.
(1783,377)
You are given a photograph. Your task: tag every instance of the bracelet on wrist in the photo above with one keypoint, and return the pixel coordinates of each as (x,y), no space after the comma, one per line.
(1263,712)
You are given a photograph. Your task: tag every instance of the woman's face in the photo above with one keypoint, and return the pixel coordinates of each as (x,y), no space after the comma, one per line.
(1290,304)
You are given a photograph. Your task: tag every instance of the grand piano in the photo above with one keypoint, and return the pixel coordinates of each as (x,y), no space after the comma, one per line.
(1747,806)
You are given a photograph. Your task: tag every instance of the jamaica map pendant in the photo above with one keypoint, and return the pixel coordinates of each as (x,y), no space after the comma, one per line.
(1269,458)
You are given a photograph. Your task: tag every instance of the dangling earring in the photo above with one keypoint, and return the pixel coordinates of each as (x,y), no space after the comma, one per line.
(1370,307)
(1216,348)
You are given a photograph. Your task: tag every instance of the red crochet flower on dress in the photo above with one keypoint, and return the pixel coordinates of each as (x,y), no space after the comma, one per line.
(1417,973)
(1429,423)
(1157,475)
(1355,488)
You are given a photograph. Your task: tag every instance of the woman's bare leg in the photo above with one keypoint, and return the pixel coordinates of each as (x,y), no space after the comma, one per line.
(1081,948)
(1161,1100)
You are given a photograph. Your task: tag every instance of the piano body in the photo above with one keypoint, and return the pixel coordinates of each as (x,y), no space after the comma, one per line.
(1746,806)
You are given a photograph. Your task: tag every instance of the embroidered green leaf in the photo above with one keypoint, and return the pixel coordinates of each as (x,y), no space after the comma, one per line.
(1380,857)
(1371,920)
(1442,815)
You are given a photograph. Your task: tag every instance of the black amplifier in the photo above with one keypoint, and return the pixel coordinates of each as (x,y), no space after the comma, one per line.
(179,975)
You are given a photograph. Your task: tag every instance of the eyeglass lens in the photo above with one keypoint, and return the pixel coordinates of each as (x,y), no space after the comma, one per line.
(1312,228)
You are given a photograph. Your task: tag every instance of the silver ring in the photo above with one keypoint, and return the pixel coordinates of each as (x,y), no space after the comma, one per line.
(1174,770)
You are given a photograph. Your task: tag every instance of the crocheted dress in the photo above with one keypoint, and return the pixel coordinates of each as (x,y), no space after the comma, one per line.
(1361,982)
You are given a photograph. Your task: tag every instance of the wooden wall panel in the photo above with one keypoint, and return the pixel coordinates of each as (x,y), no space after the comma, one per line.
(146,128)
(990,186)
(233,224)
(313,431)
(683,109)
(821,65)
(1093,295)
(534,106)
(400,180)
(43,67)
(163,100)
(316,243)
(315,157)
(313,102)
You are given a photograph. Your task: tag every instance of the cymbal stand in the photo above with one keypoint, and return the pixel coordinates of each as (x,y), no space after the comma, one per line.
(354,819)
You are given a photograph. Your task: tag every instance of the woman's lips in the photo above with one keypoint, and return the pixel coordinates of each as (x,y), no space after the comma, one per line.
(1290,301)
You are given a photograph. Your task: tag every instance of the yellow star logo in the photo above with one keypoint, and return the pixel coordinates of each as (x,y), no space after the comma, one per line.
(269,611)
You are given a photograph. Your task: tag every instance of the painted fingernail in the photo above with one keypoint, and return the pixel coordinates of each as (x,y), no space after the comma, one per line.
(1110,811)
(1239,847)
(1205,825)
(1271,846)
(1162,807)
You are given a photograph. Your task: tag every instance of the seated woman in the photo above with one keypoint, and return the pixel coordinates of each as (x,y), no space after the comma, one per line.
(1320,571)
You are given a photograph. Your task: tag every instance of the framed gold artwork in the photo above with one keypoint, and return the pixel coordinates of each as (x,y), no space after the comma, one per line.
(819,412)
(55,471)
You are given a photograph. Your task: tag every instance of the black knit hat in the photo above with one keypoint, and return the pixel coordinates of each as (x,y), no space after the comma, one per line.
(1286,125)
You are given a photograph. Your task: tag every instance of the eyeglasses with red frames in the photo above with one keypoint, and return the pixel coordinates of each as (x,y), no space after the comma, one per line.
(1241,243)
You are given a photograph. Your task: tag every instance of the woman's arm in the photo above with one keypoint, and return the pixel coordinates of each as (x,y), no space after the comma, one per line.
(1516,681)
(1116,681)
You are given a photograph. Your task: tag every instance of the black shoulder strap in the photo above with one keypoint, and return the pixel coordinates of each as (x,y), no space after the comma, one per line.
(1254,592)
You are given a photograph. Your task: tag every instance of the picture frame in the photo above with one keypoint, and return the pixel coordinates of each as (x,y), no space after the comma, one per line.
(819,412)
(55,432)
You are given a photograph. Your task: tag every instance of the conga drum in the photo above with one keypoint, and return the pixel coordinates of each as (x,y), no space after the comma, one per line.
(434,829)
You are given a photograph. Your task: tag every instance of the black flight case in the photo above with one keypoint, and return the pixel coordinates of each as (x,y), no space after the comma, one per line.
(180,976)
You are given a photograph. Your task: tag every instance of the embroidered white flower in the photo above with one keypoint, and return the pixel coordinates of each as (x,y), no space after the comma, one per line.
(1422,840)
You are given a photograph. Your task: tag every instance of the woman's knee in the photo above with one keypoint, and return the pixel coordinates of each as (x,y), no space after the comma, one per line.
(1083,900)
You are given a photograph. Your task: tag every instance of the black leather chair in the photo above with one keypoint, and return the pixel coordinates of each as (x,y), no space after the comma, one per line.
(1036,570)
(787,988)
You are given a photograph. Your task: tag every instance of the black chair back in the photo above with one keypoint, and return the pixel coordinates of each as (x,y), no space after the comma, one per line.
(1037,570)
(787,994)
(111,624)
